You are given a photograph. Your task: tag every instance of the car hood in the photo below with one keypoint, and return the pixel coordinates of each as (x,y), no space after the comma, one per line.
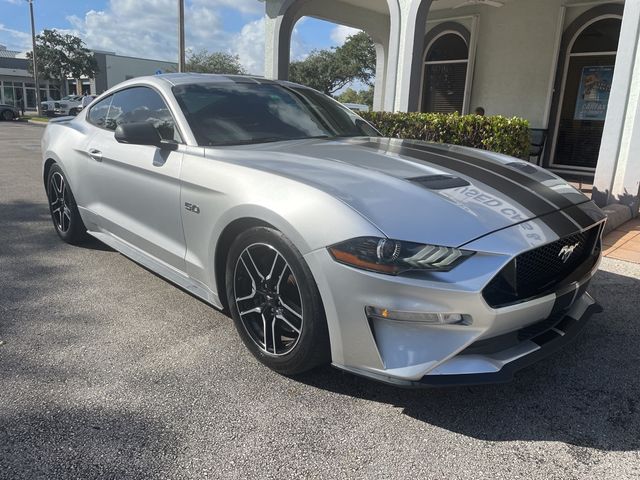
(419,191)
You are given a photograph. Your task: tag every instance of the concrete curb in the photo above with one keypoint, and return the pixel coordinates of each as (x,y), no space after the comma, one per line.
(35,122)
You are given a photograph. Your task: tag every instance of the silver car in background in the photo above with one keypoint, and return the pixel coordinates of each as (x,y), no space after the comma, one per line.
(407,262)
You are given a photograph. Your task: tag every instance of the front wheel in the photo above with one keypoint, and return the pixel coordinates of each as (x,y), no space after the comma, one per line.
(275,303)
(7,115)
(63,208)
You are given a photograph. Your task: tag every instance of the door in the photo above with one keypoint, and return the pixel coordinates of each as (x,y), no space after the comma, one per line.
(584,104)
(136,188)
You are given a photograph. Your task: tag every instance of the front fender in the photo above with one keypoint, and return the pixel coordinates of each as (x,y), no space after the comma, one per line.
(225,193)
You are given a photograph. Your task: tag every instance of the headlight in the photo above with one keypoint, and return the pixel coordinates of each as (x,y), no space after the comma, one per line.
(394,257)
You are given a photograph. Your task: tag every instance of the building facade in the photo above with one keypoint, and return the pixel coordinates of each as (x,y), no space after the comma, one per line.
(572,68)
(17,86)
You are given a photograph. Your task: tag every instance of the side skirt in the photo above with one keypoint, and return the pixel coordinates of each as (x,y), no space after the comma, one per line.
(158,266)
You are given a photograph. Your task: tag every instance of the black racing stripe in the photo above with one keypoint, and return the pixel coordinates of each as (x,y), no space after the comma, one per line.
(557,199)
(557,222)
(580,216)
(560,224)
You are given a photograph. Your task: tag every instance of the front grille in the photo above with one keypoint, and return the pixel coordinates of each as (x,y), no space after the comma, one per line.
(540,270)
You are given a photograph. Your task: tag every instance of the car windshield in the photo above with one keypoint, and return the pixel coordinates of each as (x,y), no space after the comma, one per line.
(237,113)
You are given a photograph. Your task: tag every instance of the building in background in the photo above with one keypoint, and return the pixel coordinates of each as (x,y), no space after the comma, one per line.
(17,84)
(569,67)
(113,69)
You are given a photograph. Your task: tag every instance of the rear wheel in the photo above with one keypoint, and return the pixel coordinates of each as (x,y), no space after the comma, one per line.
(7,115)
(275,302)
(62,206)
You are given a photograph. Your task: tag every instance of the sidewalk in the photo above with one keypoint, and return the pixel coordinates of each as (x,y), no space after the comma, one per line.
(623,243)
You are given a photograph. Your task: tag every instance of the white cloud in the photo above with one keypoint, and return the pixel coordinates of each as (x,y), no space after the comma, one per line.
(340,33)
(14,39)
(249,46)
(149,29)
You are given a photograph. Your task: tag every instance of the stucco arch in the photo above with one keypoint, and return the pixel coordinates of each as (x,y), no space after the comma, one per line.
(414,26)
(384,29)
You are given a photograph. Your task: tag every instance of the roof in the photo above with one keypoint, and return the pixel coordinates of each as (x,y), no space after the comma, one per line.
(8,53)
(183,78)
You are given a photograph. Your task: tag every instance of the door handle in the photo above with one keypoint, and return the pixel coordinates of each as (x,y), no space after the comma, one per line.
(95,154)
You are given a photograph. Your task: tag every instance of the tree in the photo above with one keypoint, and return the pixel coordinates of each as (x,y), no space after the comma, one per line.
(364,97)
(215,62)
(61,56)
(333,69)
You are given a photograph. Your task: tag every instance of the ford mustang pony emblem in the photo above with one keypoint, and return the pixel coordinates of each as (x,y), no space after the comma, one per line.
(567,251)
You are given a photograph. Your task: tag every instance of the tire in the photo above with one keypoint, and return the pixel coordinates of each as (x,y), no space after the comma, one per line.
(74,111)
(64,213)
(7,115)
(267,278)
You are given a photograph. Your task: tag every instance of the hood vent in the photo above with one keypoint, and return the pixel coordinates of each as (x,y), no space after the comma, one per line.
(439,182)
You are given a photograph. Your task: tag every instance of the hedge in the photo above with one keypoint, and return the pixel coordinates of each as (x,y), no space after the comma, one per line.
(496,133)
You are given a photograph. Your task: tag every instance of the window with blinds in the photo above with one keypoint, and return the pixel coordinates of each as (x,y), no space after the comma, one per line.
(445,74)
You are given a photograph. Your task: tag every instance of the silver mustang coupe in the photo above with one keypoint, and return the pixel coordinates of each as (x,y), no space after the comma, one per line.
(404,261)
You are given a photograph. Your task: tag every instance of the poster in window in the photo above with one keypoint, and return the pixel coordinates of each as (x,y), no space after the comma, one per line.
(593,94)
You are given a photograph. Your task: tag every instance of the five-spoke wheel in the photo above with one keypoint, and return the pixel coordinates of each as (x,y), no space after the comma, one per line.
(275,303)
(63,209)
(59,202)
(268,299)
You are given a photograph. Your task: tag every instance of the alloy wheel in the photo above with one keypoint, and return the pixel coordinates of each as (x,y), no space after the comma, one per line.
(268,299)
(59,202)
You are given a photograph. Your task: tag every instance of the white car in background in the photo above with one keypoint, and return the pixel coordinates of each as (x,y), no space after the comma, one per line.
(50,106)
(71,106)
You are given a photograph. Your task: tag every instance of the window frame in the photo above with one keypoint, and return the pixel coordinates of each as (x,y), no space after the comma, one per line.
(129,87)
(426,63)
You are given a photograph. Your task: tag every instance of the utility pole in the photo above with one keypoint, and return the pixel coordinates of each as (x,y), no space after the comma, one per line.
(35,62)
(181,35)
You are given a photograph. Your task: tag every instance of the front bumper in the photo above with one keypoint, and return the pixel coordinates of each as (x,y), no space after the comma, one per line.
(496,343)
(501,366)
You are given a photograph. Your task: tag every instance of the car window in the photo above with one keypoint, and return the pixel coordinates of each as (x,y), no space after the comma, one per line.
(98,113)
(142,104)
(239,113)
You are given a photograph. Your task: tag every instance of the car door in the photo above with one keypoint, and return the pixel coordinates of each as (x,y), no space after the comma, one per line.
(136,188)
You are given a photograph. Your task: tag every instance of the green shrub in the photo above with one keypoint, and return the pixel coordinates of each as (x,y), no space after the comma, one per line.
(496,133)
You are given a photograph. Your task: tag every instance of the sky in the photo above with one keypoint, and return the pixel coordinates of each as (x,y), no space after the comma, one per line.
(148,28)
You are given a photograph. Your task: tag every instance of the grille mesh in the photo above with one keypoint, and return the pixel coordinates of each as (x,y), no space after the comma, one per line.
(539,270)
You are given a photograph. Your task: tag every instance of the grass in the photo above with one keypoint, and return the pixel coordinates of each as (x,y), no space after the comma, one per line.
(36,119)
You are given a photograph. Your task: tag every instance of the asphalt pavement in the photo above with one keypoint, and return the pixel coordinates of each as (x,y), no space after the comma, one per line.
(108,371)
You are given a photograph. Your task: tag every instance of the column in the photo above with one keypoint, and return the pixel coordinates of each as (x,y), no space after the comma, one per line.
(278,28)
(413,25)
(617,178)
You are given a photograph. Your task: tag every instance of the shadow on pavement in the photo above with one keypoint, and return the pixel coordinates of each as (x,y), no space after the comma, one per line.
(587,395)
(84,442)
(46,429)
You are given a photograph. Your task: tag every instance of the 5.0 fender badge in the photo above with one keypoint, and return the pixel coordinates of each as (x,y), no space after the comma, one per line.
(190,207)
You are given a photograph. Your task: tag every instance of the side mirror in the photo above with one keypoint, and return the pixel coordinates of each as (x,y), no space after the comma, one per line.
(142,133)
